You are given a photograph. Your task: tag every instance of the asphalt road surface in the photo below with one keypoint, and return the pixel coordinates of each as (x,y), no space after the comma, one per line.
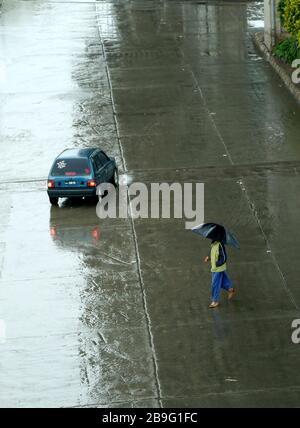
(115,312)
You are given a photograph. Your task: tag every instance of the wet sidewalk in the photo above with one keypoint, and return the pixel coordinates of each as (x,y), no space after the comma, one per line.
(115,313)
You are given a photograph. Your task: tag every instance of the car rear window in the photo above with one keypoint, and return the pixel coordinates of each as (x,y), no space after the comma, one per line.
(71,167)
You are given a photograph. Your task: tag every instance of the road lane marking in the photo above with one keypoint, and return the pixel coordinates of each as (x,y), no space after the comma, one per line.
(2,332)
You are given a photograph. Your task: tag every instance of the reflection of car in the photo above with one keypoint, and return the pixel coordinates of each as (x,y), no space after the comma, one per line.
(80,232)
(75,237)
(77,173)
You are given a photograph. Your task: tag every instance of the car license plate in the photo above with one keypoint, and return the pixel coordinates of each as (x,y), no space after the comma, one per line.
(70,182)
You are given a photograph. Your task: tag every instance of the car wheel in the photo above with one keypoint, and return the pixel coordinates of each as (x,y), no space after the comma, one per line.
(116,178)
(53,201)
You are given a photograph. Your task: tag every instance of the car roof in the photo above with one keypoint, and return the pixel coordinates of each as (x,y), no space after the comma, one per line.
(77,153)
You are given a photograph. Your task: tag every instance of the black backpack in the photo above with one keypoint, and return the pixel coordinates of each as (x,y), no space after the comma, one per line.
(222,255)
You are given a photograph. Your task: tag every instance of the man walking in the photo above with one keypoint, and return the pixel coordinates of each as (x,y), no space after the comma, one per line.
(220,279)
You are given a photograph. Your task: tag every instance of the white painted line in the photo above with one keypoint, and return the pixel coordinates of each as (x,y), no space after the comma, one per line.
(2,332)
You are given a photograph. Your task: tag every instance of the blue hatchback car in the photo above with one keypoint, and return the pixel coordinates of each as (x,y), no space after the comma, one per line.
(78,172)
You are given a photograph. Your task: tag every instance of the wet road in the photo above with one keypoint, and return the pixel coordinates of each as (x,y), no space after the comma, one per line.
(114,312)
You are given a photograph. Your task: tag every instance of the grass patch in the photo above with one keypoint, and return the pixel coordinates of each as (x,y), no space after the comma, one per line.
(287,50)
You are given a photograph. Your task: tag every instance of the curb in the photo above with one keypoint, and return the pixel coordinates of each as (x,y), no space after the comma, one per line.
(278,66)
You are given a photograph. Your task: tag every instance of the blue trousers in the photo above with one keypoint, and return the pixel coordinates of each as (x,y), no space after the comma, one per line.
(219,280)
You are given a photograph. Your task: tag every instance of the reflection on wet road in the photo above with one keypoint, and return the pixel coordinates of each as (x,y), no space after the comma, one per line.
(114,312)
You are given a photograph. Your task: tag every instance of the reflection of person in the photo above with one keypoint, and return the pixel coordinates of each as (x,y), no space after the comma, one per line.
(221,327)
(220,279)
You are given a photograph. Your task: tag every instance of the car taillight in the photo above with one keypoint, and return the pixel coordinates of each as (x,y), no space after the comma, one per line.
(51,184)
(91,183)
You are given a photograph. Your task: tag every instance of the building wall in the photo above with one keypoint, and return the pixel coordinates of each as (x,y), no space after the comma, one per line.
(272,23)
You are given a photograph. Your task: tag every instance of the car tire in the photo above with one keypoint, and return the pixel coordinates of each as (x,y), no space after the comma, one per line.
(53,201)
(115,179)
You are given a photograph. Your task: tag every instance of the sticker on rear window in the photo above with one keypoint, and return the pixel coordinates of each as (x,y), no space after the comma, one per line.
(71,167)
(61,164)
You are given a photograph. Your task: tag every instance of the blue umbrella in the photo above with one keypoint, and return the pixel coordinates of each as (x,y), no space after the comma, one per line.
(216,232)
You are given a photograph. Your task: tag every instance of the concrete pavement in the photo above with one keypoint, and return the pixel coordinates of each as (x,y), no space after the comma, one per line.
(114,313)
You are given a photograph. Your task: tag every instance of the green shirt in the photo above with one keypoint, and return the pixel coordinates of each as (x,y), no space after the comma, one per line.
(214,255)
